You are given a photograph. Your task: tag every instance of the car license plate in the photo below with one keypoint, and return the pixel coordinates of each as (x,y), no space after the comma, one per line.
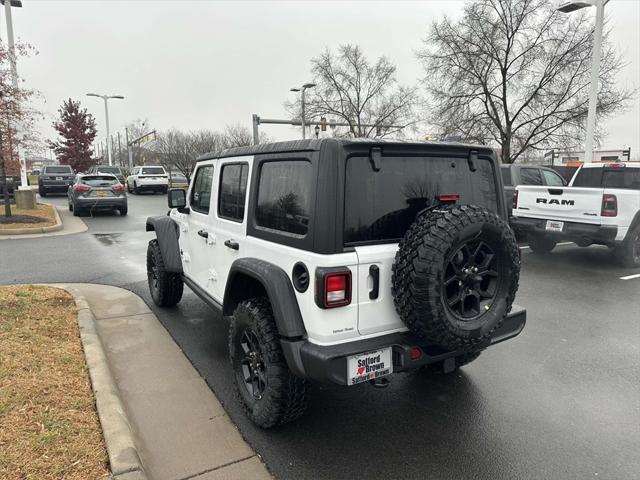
(101,193)
(369,366)
(554,226)
(58,178)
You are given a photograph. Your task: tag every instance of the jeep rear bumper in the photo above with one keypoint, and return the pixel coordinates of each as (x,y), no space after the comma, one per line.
(328,364)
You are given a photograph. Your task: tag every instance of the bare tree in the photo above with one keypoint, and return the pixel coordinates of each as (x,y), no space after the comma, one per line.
(179,150)
(516,73)
(352,90)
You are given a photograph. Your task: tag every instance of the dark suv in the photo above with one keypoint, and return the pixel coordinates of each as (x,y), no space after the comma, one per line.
(55,179)
(342,261)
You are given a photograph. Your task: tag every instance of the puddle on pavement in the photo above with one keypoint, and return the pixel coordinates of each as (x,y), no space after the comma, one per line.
(108,239)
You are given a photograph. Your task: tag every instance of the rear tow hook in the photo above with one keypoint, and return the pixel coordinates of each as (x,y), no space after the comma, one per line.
(382,382)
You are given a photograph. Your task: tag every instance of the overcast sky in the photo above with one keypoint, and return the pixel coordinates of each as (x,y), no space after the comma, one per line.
(203,64)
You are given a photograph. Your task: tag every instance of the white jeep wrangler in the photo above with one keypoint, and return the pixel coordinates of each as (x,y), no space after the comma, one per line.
(341,261)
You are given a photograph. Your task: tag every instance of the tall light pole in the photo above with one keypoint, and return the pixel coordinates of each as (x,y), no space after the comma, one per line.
(302,90)
(106,114)
(14,76)
(595,66)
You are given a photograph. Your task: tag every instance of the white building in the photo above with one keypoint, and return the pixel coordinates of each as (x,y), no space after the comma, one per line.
(565,157)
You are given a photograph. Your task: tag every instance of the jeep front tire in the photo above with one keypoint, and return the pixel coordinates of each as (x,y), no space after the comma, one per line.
(270,394)
(165,287)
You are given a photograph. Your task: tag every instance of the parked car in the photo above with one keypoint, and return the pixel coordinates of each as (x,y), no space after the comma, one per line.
(522,174)
(178,180)
(93,192)
(55,179)
(600,206)
(109,169)
(153,179)
(341,261)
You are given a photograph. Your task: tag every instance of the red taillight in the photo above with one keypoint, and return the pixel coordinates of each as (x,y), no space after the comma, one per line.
(514,205)
(415,353)
(449,198)
(81,188)
(609,206)
(333,287)
(119,188)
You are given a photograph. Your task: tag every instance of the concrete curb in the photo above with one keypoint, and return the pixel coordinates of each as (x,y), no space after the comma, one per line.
(26,231)
(123,454)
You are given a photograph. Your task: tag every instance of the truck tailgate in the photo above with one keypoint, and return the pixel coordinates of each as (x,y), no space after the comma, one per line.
(571,204)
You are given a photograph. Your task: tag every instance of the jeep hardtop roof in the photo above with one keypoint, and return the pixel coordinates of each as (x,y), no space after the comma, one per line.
(310,145)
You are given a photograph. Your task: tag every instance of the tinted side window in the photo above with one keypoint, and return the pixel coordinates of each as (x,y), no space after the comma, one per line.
(588,177)
(201,192)
(553,179)
(530,176)
(628,178)
(233,190)
(380,206)
(284,202)
(506,175)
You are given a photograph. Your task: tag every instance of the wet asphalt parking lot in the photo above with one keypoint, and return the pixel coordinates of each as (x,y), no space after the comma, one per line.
(562,400)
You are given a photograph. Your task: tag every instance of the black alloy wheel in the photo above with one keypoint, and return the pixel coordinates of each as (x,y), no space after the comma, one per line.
(253,368)
(471,279)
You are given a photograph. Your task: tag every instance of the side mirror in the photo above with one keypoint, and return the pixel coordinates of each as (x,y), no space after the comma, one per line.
(177,198)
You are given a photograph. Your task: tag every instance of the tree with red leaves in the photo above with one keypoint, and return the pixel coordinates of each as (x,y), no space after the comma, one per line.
(77,128)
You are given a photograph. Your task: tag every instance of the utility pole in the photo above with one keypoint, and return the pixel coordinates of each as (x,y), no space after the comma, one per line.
(120,151)
(129,152)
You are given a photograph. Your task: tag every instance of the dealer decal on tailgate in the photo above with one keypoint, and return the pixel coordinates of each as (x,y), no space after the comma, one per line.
(369,366)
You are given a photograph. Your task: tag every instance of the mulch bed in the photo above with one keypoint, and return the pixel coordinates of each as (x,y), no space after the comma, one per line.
(21,219)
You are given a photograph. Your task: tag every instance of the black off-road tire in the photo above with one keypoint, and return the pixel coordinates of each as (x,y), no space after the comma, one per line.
(540,244)
(165,287)
(283,398)
(628,254)
(461,361)
(425,259)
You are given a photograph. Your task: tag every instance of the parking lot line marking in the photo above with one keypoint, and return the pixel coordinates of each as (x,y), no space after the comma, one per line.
(630,277)
(561,243)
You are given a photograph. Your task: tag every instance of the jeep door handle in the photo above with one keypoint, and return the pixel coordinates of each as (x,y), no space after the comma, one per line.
(232,244)
(203,233)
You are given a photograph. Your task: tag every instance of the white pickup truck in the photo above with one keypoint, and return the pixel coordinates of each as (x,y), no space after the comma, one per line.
(600,206)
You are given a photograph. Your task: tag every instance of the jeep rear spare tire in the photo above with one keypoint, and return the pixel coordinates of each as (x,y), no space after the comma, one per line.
(456,275)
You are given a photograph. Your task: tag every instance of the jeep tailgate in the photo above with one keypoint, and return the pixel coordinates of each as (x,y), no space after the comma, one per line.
(571,204)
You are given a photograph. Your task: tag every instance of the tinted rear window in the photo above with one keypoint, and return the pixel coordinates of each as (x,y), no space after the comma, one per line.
(530,176)
(627,178)
(153,171)
(61,169)
(99,180)
(380,206)
(589,178)
(284,200)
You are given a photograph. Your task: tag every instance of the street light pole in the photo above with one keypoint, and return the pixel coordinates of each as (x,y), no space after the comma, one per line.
(595,67)
(14,78)
(302,90)
(106,114)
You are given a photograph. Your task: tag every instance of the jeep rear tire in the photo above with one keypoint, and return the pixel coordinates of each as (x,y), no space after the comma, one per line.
(455,275)
(540,244)
(269,393)
(165,287)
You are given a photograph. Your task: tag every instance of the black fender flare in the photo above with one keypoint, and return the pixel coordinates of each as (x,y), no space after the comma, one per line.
(279,288)
(167,233)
